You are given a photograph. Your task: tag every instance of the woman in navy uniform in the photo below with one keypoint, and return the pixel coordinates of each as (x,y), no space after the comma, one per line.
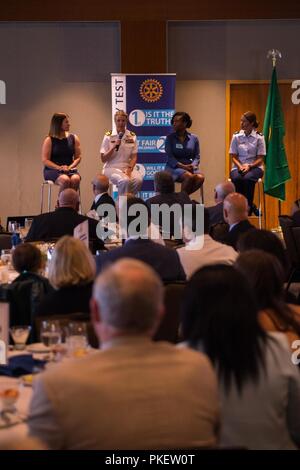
(61,154)
(247,150)
(183,154)
(119,155)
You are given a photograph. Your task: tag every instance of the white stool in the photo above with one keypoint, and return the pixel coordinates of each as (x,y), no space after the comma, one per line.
(50,183)
(261,204)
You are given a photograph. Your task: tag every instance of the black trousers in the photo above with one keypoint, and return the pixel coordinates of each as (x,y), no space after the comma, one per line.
(245,184)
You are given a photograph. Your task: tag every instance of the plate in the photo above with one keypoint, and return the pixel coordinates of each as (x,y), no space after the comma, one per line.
(37,348)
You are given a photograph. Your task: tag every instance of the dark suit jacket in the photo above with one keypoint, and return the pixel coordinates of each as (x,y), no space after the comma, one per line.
(104,199)
(171,198)
(62,221)
(296,219)
(163,260)
(235,233)
(216,214)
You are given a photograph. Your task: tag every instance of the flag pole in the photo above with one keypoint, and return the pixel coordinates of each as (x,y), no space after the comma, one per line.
(274,53)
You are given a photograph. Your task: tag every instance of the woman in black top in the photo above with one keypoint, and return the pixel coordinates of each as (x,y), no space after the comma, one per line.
(61,154)
(72,271)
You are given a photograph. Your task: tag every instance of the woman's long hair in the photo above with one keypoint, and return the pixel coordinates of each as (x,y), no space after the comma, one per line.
(220,313)
(266,277)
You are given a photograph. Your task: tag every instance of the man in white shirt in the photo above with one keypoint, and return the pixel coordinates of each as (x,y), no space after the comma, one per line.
(212,252)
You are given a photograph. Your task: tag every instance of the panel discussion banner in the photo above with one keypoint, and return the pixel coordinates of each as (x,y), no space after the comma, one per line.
(149,101)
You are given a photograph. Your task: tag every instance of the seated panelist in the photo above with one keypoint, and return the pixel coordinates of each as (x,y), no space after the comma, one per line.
(61,154)
(119,155)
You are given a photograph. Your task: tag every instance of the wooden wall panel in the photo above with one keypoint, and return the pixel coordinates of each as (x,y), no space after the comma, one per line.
(143,46)
(253,96)
(137,10)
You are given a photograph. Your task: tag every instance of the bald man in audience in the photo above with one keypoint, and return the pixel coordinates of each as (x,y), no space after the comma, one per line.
(134,393)
(222,190)
(100,189)
(236,215)
(53,225)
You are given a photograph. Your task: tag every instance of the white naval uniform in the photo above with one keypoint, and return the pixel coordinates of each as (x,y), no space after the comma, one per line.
(120,160)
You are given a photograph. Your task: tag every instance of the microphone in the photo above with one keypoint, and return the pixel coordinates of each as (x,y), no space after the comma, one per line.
(120,135)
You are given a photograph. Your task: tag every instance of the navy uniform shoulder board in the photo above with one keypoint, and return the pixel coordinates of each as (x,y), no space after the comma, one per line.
(108,133)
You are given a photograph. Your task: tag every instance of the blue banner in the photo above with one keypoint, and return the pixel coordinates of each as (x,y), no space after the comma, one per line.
(149,101)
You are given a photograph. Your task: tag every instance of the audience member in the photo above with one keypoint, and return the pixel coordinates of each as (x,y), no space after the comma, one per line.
(211,252)
(216,215)
(236,215)
(62,221)
(259,385)
(29,288)
(100,189)
(165,261)
(295,207)
(266,277)
(165,189)
(71,273)
(264,240)
(137,394)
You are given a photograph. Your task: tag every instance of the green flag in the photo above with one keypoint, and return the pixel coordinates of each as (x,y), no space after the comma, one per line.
(277,171)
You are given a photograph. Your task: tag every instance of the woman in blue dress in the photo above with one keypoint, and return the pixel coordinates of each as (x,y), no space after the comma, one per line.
(61,154)
(183,154)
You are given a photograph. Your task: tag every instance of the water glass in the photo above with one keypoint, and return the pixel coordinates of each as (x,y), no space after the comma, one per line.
(27,224)
(50,333)
(14,227)
(9,394)
(20,336)
(6,256)
(76,339)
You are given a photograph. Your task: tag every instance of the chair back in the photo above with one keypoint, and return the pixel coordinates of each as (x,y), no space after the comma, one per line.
(286,223)
(296,239)
(168,329)
(5,241)
(24,296)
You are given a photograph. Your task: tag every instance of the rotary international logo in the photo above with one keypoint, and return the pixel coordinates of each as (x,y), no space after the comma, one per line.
(151,90)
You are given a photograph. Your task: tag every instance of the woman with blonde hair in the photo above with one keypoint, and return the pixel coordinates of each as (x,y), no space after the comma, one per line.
(71,272)
(61,153)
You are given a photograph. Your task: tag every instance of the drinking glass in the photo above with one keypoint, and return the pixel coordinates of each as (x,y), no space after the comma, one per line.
(50,333)
(6,256)
(15,227)
(9,394)
(76,339)
(10,225)
(27,223)
(20,335)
